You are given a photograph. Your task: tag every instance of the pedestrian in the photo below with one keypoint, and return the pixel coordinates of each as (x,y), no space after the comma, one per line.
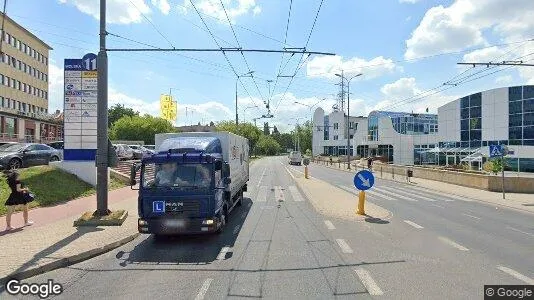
(331,160)
(370,163)
(19,196)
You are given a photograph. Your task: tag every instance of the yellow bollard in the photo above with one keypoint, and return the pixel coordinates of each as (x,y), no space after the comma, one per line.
(306,172)
(361,203)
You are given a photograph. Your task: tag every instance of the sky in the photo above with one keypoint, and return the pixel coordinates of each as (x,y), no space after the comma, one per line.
(406,50)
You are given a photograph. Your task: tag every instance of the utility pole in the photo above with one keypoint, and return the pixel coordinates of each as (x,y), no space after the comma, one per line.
(102,126)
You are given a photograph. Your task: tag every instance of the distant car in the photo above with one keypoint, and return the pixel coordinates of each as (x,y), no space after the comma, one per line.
(150,147)
(124,152)
(14,156)
(144,151)
(56,145)
(295,158)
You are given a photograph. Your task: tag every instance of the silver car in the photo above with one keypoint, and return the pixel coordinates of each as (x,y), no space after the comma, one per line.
(124,152)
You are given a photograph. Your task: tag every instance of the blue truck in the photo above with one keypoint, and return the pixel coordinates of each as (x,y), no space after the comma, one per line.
(192,182)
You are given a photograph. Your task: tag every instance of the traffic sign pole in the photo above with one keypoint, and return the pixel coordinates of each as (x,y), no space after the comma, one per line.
(363,180)
(361,203)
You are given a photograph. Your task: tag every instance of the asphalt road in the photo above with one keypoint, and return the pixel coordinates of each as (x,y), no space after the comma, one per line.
(277,247)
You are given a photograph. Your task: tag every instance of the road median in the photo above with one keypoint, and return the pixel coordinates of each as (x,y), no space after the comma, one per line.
(335,202)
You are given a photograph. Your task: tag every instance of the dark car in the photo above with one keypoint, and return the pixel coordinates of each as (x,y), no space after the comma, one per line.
(56,145)
(14,156)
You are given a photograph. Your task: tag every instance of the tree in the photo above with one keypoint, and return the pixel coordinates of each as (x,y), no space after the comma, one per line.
(275,130)
(304,133)
(266,130)
(138,128)
(247,130)
(284,139)
(118,111)
(267,145)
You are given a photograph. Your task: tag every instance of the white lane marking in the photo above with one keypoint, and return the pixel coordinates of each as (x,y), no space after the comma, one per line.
(222,254)
(408,193)
(204,289)
(395,195)
(261,178)
(442,194)
(413,224)
(329,225)
(451,243)
(344,246)
(295,194)
(516,274)
(290,174)
(262,194)
(353,190)
(471,216)
(368,282)
(437,205)
(515,229)
(279,194)
(380,195)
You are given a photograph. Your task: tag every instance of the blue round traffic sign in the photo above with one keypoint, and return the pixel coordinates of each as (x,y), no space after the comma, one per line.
(89,62)
(364,180)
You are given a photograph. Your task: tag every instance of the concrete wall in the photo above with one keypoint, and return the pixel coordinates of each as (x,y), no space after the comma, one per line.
(85,170)
(478,181)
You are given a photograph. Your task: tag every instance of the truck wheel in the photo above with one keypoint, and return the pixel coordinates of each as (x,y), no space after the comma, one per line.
(240,201)
(223,221)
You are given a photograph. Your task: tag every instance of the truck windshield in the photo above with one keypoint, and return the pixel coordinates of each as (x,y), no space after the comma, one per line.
(176,175)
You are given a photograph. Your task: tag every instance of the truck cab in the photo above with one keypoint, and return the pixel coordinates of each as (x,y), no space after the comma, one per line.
(184,188)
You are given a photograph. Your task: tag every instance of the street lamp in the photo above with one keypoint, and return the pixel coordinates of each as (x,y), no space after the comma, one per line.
(348,112)
(248,74)
(245,111)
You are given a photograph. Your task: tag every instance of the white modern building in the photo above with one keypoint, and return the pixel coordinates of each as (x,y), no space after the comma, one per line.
(330,132)
(461,132)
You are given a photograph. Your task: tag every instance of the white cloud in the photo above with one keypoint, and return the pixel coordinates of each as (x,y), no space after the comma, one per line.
(408,18)
(409,1)
(484,55)
(143,107)
(55,87)
(416,99)
(118,11)
(328,66)
(234,8)
(504,79)
(163,6)
(463,24)
(256,10)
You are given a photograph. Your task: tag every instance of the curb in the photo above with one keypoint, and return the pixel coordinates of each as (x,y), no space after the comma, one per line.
(67,261)
(458,195)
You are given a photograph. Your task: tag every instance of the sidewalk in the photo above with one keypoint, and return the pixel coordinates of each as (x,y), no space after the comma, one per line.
(337,203)
(53,242)
(523,202)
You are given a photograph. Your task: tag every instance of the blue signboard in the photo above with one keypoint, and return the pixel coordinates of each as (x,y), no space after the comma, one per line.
(73,64)
(364,180)
(496,150)
(158,206)
(89,62)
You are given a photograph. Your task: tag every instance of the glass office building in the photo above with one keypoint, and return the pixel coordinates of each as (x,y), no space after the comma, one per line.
(403,123)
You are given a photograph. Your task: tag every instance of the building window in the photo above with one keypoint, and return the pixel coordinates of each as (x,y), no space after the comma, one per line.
(10,126)
(515,93)
(336,126)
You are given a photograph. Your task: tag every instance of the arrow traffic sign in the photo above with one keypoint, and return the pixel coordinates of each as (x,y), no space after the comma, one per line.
(364,180)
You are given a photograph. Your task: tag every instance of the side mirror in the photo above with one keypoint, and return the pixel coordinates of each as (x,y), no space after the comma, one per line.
(218,165)
(227,180)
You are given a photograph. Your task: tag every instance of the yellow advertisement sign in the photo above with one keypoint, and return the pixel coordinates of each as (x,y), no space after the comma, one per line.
(168,108)
(89,74)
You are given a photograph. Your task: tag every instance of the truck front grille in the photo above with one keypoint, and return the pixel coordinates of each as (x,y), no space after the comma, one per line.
(183,207)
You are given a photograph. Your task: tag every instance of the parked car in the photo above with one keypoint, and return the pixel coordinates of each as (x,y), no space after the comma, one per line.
(144,151)
(150,147)
(56,145)
(295,158)
(14,156)
(124,152)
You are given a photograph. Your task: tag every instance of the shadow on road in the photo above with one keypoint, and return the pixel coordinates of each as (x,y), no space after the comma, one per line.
(376,220)
(188,249)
